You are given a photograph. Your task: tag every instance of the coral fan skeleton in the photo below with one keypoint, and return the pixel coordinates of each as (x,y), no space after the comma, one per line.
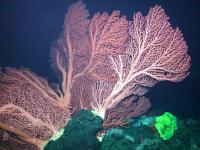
(106,64)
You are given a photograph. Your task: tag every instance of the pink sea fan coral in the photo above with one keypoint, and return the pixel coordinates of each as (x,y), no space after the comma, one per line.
(105,64)
(29,107)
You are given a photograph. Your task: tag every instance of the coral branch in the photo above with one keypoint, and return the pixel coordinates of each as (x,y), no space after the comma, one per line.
(71,51)
(154,52)
(108,35)
(156,49)
(125,110)
(29,107)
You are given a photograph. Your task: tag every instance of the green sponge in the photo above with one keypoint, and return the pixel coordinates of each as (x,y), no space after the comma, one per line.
(165,125)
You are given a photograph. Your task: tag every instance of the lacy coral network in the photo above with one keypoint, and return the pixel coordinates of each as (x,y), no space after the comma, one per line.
(106,64)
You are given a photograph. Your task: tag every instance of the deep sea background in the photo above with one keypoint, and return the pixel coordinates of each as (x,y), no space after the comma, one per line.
(28,27)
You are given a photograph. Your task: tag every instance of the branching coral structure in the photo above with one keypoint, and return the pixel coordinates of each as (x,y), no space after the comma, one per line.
(29,107)
(124,59)
(105,64)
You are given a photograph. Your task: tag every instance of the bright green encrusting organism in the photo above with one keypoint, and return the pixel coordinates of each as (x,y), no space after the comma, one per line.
(165,125)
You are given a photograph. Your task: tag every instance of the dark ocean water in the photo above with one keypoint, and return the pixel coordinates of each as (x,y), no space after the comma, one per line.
(27,29)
